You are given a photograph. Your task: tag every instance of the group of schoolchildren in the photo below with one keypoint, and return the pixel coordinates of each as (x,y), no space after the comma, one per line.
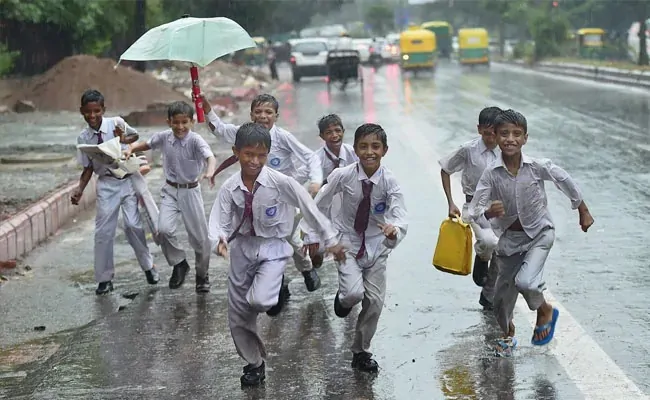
(353,209)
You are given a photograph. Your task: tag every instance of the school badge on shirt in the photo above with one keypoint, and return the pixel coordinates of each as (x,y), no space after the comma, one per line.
(380,208)
(271,211)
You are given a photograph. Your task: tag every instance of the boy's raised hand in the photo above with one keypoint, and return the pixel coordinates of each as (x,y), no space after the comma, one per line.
(206,104)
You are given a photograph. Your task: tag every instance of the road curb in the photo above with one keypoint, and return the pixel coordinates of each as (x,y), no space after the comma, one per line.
(29,228)
(639,79)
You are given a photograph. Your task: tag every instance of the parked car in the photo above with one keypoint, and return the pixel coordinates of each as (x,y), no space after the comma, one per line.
(308,57)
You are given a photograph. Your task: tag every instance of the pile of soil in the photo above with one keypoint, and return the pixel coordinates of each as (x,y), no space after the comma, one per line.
(60,88)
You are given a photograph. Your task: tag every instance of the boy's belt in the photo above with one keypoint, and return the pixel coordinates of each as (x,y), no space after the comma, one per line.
(182,185)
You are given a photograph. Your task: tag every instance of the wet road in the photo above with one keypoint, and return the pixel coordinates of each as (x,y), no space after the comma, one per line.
(433,341)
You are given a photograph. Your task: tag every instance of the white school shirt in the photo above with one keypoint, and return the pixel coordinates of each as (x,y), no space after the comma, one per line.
(89,136)
(183,159)
(524,195)
(346,157)
(386,207)
(472,158)
(274,207)
(283,146)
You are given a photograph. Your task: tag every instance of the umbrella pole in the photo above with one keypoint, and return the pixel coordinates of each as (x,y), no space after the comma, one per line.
(196,90)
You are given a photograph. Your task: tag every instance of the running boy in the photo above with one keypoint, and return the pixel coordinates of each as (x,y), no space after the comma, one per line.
(332,155)
(511,191)
(472,158)
(113,194)
(185,154)
(264,110)
(254,212)
(371,222)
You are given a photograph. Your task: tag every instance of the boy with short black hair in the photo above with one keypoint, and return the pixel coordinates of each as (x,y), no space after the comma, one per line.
(254,212)
(284,146)
(113,193)
(371,222)
(511,193)
(185,155)
(472,158)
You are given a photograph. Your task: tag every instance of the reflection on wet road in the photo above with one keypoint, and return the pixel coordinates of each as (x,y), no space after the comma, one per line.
(433,341)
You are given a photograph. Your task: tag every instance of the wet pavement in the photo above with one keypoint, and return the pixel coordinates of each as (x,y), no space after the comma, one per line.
(433,340)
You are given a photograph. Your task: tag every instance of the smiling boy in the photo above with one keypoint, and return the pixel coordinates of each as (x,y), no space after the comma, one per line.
(185,155)
(371,222)
(253,213)
(511,193)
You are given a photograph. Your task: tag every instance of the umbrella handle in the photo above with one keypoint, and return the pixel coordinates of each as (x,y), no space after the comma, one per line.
(196,90)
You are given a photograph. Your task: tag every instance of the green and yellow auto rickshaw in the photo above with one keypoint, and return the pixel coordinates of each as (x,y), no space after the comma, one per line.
(418,49)
(473,46)
(443,32)
(590,42)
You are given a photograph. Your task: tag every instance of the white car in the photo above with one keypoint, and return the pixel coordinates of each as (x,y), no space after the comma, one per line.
(308,57)
(363,47)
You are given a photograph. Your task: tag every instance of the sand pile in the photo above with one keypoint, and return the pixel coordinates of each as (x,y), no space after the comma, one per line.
(60,88)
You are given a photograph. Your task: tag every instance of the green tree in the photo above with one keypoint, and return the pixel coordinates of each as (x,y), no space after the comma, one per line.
(380,18)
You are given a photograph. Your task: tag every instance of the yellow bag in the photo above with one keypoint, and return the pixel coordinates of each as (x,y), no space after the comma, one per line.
(454,248)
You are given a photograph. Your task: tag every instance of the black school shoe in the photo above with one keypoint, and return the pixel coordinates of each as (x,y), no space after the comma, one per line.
(104,288)
(178,274)
(283,296)
(312,281)
(487,305)
(253,376)
(203,284)
(339,310)
(480,272)
(363,362)
(152,276)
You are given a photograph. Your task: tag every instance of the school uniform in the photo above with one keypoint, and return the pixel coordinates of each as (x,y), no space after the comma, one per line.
(183,163)
(256,225)
(472,158)
(366,202)
(521,254)
(113,194)
(284,147)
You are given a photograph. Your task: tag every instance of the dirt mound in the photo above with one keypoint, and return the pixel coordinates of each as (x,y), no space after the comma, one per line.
(60,88)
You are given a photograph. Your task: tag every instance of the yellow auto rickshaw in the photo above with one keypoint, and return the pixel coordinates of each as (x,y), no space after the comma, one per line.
(256,55)
(473,46)
(418,49)
(590,42)
(443,32)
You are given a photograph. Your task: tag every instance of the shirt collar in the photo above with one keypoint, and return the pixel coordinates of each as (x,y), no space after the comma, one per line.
(374,178)
(173,139)
(500,164)
(483,148)
(103,128)
(262,179)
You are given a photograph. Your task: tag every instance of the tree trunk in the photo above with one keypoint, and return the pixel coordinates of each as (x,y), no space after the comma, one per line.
(140,25)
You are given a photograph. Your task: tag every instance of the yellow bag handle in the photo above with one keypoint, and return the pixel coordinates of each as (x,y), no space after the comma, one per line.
(458,220)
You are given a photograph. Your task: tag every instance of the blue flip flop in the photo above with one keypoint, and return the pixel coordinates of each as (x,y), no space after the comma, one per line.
(549,337)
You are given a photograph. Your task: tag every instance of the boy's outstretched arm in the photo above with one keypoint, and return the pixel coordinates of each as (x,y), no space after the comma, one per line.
(217,127)
(220,222)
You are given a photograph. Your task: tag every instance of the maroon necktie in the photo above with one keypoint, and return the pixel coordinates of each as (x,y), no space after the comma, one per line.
(225,164)
(363,216)
(248,212)
(100,140)
(334,161)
